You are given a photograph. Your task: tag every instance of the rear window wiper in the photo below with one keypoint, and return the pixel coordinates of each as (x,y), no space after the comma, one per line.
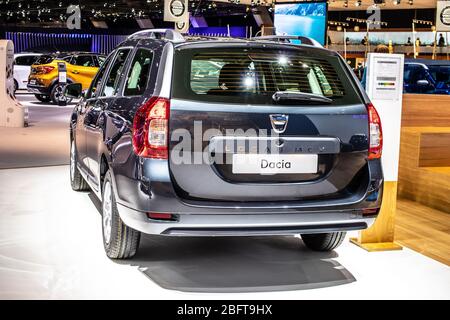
(289,97)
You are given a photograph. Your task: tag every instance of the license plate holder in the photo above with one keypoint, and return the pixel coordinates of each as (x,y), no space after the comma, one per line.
(274,163)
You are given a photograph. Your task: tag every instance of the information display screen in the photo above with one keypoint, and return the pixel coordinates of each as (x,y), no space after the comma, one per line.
(302,19)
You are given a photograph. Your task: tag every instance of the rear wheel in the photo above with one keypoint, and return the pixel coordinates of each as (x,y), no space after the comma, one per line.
(119,240)
(42,97)
(76,179)
(323,241)
(57,94)
(16,86)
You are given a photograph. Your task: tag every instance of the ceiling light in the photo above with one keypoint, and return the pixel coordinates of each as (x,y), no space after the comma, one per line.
(358,3)
(396,2)
(411,2)
(346,4)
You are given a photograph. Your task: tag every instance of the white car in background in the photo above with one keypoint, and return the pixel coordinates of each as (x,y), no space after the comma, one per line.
(22,68)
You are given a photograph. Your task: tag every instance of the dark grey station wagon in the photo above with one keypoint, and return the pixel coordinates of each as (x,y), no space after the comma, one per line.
(226,137)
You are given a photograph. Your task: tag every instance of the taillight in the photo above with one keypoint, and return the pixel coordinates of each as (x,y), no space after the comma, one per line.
(150,129)
(375,133)
(44,69)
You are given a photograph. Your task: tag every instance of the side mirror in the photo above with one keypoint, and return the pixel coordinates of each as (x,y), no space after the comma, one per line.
(423,83)
(73,90)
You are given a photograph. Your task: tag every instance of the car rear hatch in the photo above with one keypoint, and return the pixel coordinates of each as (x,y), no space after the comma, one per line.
(252,123)
(45,59)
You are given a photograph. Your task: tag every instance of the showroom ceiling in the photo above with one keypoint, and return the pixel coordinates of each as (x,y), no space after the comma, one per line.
(338,5)
(28,13)
(388,4)
(55,10)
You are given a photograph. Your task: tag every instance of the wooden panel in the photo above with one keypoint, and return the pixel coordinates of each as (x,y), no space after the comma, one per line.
(434,150)
(427,185)
(380,236)
(426,110)
(409,150)
(423,229)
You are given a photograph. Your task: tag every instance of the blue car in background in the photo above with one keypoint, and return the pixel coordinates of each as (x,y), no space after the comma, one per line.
(424,76)
(427,76)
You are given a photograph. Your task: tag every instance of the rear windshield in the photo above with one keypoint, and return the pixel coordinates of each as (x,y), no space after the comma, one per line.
(44,59)
(245,75)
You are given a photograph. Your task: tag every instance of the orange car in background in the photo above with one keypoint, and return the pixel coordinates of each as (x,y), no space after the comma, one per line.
(81,68)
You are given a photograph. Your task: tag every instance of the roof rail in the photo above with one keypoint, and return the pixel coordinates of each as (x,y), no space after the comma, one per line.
(168,34)
(304,40)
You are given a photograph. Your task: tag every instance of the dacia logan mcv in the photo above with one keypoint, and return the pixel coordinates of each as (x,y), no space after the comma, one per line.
(226,137)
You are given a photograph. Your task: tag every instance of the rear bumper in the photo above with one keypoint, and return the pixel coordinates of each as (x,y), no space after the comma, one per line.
(136,197)
(247,224)
(38,89)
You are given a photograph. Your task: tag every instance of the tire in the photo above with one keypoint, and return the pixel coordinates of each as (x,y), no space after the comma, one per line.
(76,179)
(42,97)
(16,86)
(56,92)
(119,240)
(323,241)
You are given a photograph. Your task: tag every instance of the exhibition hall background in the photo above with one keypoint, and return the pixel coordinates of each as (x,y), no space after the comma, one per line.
(42,256)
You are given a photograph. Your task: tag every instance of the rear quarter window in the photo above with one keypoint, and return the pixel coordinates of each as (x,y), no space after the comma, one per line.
(246,75)
(83,61)
(25,60)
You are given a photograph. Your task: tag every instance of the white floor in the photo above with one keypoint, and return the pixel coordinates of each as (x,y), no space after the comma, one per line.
(50,247)
(44,142)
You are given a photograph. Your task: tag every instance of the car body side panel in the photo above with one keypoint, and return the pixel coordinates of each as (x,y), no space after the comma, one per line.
(21,74)
(80,74)
(79,134)
(129,183)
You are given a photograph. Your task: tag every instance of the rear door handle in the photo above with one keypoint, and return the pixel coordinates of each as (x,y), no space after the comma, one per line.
(75,71)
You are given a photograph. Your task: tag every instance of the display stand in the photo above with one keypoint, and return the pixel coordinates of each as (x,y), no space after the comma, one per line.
(385,89)
(12,113)
(62,82)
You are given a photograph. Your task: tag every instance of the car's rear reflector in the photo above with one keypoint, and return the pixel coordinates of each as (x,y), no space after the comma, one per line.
(161,216)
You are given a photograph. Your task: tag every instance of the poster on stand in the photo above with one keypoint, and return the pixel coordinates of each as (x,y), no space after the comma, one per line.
(385,79)
(385,90)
